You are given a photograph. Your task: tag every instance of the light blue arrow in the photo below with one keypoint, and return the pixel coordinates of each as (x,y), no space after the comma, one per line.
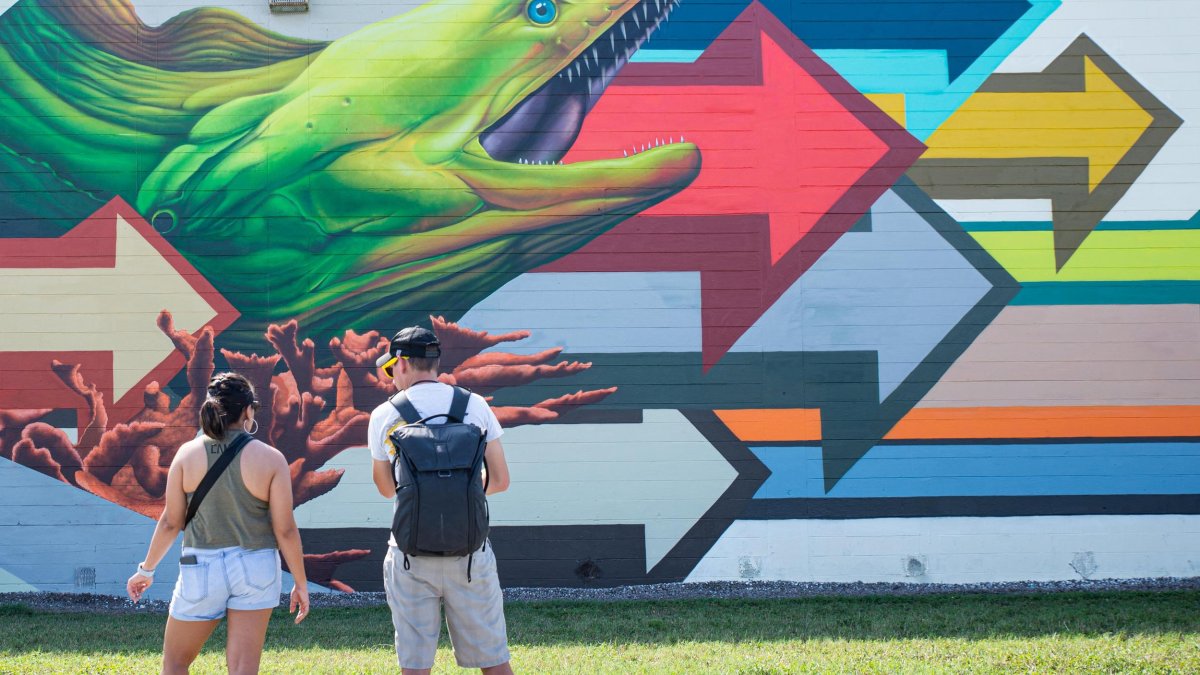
(897,290)
(923,75)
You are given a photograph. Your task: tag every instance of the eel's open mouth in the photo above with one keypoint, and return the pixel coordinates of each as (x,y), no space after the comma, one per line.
(541,128)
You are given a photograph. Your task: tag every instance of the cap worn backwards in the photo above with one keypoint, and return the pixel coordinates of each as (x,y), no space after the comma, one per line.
(412,342)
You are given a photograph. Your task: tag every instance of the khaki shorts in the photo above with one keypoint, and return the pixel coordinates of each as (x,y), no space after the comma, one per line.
(474,610)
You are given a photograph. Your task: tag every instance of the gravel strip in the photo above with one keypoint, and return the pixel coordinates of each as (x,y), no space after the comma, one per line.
(109,604)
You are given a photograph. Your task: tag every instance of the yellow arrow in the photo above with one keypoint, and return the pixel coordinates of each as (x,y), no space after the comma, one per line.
(1100,123)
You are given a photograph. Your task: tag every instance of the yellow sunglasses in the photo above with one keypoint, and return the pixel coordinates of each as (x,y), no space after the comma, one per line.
(390,365)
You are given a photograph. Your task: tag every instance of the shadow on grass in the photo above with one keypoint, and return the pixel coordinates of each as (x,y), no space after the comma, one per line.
(970,617)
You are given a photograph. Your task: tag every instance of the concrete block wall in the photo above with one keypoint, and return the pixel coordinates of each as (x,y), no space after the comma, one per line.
(904,293)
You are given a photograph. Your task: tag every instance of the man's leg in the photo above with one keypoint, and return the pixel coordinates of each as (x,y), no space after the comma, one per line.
(475,613)
(416,604)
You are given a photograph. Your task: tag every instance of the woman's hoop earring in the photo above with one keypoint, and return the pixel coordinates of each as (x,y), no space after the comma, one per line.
(253,430)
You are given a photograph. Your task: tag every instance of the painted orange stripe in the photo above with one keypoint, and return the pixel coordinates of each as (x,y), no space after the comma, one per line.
(1056,422)
(784,424)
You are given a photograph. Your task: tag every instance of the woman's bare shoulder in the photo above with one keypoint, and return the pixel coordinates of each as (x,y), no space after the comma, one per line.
(264,455)
(192,448)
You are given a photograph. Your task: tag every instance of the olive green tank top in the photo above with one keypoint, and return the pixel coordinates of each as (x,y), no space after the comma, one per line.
(229,514)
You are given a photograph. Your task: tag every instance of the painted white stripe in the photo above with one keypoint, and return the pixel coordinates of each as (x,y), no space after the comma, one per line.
(956,550)
(322,21)
(997,210)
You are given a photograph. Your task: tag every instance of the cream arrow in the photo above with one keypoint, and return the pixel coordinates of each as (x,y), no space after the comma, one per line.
(103,308)
(661,473)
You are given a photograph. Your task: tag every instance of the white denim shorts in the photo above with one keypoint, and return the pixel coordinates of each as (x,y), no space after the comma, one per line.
(226,578)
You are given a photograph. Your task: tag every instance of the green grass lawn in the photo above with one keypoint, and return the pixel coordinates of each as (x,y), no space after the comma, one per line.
(1068,632)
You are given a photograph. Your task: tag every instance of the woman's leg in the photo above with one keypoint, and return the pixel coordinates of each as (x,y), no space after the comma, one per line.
(182,643)
(247,629)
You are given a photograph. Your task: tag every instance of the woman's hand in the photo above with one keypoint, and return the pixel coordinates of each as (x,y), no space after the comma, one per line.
(299,600)
(137,585)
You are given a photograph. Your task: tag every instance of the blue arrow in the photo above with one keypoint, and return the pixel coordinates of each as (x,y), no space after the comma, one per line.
(898,289)
(963,29)
(983,470)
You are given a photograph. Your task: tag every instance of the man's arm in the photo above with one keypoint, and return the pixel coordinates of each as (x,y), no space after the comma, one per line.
(497,467)
(381,471)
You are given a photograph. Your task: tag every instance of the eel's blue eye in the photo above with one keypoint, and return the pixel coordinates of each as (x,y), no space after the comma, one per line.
(542,12)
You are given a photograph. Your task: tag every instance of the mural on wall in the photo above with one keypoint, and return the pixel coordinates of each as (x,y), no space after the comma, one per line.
(400,165)
(800,265)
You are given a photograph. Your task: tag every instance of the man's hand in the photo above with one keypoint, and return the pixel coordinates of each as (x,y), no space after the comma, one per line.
(299,600)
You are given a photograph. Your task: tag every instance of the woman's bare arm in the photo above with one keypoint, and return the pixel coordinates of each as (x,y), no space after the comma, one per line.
(170,524)
(287,535)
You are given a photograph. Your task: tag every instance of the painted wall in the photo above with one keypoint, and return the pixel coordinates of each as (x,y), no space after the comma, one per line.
(883,291)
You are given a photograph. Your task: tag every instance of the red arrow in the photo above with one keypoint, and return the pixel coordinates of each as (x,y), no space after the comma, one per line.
(84,300)
(787,144)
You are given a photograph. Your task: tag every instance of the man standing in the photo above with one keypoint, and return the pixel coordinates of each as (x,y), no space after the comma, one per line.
(418,586)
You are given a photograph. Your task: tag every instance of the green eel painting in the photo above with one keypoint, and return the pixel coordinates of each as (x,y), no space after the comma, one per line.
(409,168)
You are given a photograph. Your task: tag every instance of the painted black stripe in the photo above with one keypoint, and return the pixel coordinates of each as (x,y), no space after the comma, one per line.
(927,507)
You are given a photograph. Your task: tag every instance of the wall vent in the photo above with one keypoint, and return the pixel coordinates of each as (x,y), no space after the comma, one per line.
(288,6)
(85,577)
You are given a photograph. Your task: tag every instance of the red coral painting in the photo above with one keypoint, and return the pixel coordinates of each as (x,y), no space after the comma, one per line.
(310,413)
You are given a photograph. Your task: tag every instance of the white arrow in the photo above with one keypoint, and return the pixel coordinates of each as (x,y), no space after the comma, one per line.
(102,309)
(662,474)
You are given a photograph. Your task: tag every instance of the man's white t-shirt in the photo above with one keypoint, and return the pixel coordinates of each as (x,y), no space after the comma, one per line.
(429,398)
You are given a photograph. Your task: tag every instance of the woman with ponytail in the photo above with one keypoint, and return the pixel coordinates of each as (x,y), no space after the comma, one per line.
(232,544)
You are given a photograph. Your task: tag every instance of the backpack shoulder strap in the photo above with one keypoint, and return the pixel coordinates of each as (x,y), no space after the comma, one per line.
(458,405)
(408,412)
(214,472)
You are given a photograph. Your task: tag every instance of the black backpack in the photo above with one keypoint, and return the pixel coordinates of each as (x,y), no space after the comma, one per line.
(441,502)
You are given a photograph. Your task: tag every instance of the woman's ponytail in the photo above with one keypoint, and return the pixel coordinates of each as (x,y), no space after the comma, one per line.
(229,394)
(212,418)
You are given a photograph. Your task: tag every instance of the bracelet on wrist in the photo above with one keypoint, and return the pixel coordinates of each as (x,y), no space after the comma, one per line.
(149,574)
